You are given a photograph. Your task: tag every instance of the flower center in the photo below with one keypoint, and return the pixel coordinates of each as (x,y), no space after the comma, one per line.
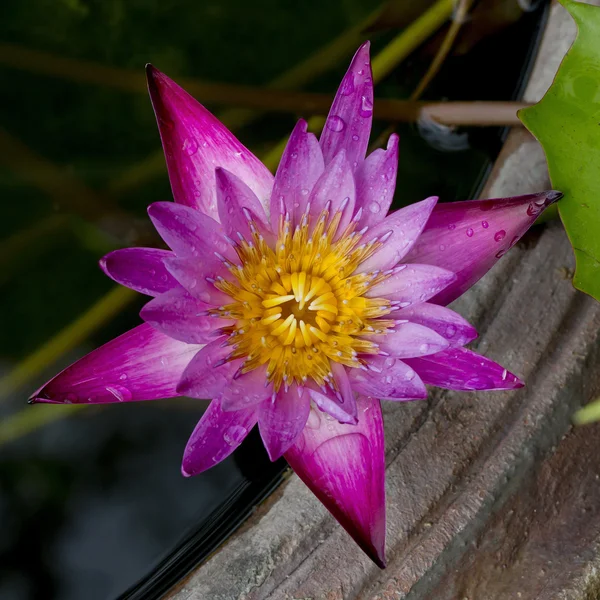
(298,302)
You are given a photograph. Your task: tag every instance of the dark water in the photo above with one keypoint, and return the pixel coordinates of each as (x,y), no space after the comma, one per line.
(93,505)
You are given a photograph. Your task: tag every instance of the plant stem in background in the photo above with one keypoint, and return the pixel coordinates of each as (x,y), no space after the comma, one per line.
(76,332)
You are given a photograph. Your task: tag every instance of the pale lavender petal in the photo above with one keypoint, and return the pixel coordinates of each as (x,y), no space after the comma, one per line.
(410,339)
(376,183)
(209,373)
(188,232)
(399,231)
(442,320)
(344,466)
(469,237)
(216,436)
(281,420)
(141,269)
(341,408)
(300,167)
(183,317)
(141,364)
(462,369)
(388,378)
(411,284)
(196,143)
(349,121)
(197,278)
(237,204)
(336,188)
(246,390)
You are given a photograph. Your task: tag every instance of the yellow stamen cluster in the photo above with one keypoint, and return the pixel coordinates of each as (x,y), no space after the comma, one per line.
(300,305)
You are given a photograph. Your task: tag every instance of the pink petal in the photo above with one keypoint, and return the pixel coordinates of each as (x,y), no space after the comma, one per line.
(339,404)
(281,420)
(236,202)
(197,278)
(246,390)
(141,364)
(400,231)
(196,143)
(469,237)
(300,167)
(388,378)
(188,232)
(141,269)
(410,339)
(442,320)
(348,125)
(376,183)
(208,374)
(183,317)
(216,436)
(336,187)
(344,466)
(462,369)
(411,284)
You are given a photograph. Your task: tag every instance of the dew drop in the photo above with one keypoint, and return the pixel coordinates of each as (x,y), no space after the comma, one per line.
(366,107)
(469,232)
(336,123)
(234,435)
(424,348)
(450,331)
(190,146)
(374,207)
(121,393)
(485,224)
(304,191)
(499,235)
(451,226)
(355,138)
(442,247)
(347,85)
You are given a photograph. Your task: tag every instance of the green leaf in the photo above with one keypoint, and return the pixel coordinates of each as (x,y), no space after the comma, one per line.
(567,124)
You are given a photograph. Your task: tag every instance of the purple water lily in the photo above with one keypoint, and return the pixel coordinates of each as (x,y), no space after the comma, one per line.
(294,302)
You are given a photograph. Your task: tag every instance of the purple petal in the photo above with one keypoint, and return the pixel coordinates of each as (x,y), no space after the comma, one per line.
(400,231)
(344,466)
(208,374)
(376,183)
(246,390)
(469,237)
(340,405)
(141,269)
(388,378)
(236,202)
(196,277)
(348,124)
(141,364)
(300,167)
(196,143)
(216,436)
(183,317)
(188,232)
(410,339)
(462,369)
(442,320)
(411,284)
(335,186)
(281,421)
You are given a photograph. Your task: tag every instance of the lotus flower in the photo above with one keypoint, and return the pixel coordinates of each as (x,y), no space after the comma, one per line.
(294,302)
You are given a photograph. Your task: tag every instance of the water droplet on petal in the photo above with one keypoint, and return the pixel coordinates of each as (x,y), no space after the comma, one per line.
(450,331)
(469,232)
(374,207)
(347,85)
(336,123)
(234,435)
(424,348)
(451,226)
(485,224)
(121,393)
(499,235)
(366,107)
(355,138)
(190,146)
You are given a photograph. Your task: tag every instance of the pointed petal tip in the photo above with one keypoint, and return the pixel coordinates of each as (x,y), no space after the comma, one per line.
(185,473)
(393,141)
(553,196)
